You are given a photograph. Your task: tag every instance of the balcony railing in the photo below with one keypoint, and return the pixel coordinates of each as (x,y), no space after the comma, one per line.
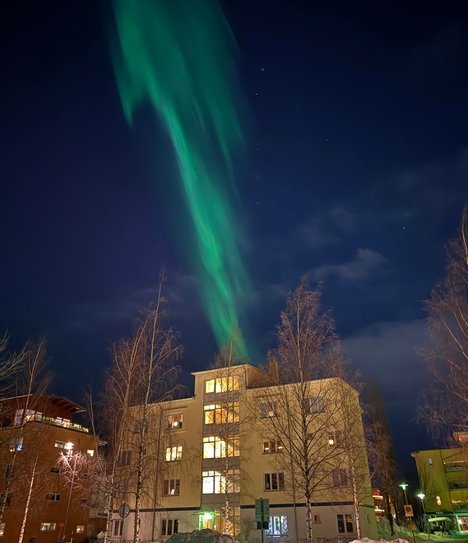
(63,423)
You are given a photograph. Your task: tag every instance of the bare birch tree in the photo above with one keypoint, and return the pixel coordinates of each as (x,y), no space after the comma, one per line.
(444,407)
(142,375)
(304,415)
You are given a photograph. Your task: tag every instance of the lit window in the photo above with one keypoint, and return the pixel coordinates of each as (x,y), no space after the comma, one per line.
(2,529)
(60,444)
(48,526)
(438,500)
(172,487)
(169,526)
(429,461)
(215,447)
(278,525)
(213,482)
(52,497)
(268,409)
(335,438)
(80,528)
(175,421)
(174,453)
(272,447)
(209,386)
(314,404)
(339,477)
(317,519)
(344,523)
(221,413)
(16,444)
(90,452)
(274,481)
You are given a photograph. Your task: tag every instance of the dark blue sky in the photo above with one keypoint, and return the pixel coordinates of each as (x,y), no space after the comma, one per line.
(356,174)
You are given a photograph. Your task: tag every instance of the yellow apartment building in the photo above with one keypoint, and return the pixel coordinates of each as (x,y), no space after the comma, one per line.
(443,479)
(216,456)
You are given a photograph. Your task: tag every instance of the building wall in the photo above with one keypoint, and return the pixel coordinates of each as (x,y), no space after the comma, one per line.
(33,470)
(443,477)
(193,509)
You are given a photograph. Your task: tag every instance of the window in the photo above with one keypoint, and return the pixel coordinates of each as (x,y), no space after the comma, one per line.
(169,526)
(172,487)
(174,453)
(314,404)
(175,421)
(344,523)
(56,470)
(215,447)
(48,526)
(339,477)
(213,482)
(59,444)
(52,497)
(268,409)
(278,525)
(316,519)
(80,528)
(118,527)
(125,458)
(90,452)
(274,481)
(221,414)
(429,461)
(335,438)
(272,446)
(438,500)
(2,529)
(16,444)
(222,384)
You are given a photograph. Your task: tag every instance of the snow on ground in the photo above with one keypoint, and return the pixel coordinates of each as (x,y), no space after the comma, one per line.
(201,536)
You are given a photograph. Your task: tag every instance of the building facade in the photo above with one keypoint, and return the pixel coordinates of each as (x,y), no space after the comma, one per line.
(217,457)
(39,442)
(443,479)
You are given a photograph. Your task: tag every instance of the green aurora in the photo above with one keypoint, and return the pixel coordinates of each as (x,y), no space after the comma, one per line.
(179,55)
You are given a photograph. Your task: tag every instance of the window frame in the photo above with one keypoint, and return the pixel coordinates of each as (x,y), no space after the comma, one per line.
(274,479)
(171,487)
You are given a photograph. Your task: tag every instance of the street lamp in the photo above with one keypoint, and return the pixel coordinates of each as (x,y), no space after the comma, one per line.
(404,486)
(421,496)
(69,448)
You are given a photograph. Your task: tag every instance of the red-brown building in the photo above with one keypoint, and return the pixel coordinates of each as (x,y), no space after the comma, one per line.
(39,449)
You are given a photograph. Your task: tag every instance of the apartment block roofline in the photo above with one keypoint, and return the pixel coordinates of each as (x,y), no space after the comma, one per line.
(243,365)
(59,401)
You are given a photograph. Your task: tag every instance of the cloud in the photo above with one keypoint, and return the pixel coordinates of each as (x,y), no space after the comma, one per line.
(179,292)
(387,352)
(328,228)
(365,265)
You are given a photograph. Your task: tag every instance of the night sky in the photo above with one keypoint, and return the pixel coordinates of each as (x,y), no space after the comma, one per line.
(355,173)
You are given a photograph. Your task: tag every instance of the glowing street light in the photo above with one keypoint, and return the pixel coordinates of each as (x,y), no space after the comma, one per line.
(421,496)
(404,486)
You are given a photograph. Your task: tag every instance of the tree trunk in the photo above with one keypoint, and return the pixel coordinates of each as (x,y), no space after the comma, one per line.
(28,501)
(310,534)
(389,513)
(357,513)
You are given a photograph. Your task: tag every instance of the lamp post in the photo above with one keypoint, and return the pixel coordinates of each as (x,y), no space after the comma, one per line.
(421,496)
(404,486)
(69,448)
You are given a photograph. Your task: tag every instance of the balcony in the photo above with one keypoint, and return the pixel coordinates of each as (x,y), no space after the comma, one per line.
(57,421)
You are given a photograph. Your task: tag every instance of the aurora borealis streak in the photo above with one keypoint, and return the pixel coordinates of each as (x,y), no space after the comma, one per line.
(180,57)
